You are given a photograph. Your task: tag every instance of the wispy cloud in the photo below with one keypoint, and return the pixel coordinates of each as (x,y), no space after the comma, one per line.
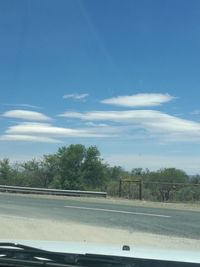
(28,138)
(139,100)
(92,124)
(171,127)
(23,106)
(45,129)
(78,97)
(195,112)
(26,115)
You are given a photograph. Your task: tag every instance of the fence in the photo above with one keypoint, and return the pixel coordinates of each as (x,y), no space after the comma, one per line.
(130,189)
(45,191)
(159,191)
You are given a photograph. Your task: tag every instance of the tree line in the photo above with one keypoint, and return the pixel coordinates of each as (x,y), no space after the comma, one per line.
(82,168)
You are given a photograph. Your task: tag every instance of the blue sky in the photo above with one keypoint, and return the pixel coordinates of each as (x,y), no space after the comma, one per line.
(122,75)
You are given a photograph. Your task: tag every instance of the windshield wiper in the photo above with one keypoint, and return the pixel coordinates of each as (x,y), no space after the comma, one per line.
(14,254)
(19,253)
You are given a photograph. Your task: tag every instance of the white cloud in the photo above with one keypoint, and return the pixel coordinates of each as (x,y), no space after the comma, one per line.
(23,105)
(92,124)
(26,115)
(152,121)
(28,138)
(153,162)
(139,100)
(80,97)
(45,129)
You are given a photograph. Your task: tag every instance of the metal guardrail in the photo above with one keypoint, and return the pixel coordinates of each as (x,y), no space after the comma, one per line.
(47,191)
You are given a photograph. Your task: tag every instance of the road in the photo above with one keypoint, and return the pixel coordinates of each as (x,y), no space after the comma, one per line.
(171,222)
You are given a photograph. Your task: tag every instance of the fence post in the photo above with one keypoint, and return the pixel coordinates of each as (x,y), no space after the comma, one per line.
(129,189)
(140,189)
(120,188)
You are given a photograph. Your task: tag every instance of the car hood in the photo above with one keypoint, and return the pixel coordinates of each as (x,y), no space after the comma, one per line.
(113,250)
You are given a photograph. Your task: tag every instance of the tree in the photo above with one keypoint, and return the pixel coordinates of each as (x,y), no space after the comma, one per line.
(94,171)
(51,171)
(116,173)
(195,179)
(5,172)
(34,173)
(70,161)
(137,171)
(167,180)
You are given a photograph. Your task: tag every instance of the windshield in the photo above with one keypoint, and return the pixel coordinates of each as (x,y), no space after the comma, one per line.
(100,122)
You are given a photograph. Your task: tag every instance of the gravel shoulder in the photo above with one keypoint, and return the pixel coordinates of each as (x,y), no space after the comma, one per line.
(13,227)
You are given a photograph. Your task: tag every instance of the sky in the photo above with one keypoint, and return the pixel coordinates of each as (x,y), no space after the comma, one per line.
(123,75)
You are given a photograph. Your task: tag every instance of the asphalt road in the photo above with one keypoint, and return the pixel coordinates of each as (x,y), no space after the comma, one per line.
(171,222)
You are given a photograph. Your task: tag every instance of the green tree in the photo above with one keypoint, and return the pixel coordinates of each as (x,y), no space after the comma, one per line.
(34,173)
(166,181)
(137,171)
(5,172)
(51,171)
(116,173)
(94,171)
(195,179)
(70,165)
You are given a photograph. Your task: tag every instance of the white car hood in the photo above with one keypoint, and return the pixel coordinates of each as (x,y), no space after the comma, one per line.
(113,250)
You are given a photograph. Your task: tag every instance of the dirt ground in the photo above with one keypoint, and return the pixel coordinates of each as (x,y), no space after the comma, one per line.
(34,229)
(12,227)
